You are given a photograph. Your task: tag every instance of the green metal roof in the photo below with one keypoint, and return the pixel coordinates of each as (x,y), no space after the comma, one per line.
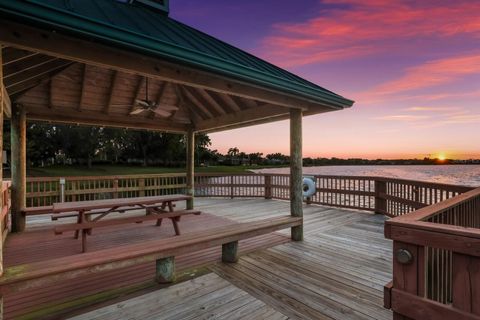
(141,29)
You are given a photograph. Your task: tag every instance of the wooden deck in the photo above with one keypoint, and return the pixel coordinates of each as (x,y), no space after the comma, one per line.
(338,272)
(39,243)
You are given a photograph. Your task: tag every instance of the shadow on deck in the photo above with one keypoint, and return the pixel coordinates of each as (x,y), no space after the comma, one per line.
(338,272)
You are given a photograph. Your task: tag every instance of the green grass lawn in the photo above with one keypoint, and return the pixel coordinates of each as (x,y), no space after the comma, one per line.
(109,170)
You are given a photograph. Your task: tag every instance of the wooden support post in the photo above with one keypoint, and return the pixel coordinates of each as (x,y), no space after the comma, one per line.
(296,194)
(190,167)
(230,252)
(268,187)
(380,201)
(19,184)
(408,274)
(141,187)
(165,270)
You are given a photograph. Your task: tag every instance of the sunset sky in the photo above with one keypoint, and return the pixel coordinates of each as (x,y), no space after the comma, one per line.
(413,68)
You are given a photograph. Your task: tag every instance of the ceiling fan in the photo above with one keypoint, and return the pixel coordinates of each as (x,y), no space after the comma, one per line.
(142,105)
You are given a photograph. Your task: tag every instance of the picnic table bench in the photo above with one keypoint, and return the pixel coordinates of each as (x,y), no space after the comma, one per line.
(155,208)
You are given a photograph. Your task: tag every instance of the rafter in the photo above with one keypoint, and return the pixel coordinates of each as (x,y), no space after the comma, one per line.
(111,95)
(194,117)
(35,73)
(194,101)
(207,97)
(241,117)
(230,102)
(83,86)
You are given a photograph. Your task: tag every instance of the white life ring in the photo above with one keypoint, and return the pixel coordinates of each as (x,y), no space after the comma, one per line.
(308,187)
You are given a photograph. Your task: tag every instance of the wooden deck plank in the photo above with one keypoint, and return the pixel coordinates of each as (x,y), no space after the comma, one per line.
(205,297)
(338,272)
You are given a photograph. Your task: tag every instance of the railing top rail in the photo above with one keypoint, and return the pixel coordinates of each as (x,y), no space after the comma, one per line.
(450,187)
(426,212)
(417,220)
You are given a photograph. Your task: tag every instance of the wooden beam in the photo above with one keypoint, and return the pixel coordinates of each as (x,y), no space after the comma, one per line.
(111,96)
(31,64)
(296,177)
(100,119)
(6,103)
(13,55)
(190,141)
(194,102)
(194,117)
(18,136)
(211,101)
(34,73)
(65,47)
(82,90)
(240,118)
(230,102)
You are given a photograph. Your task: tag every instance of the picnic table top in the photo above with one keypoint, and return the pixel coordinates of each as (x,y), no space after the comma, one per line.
(110,203)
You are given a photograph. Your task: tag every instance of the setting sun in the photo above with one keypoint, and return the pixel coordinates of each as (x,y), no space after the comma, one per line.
(442,157)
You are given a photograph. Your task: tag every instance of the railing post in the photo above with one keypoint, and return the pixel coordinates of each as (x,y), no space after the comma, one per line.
(232,189)
(268,187)
(141,187)
(62,189)
(408,274)
(380,201)
(115,188)
(466,283)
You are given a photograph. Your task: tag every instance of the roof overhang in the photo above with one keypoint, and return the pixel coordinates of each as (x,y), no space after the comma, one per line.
(78,41)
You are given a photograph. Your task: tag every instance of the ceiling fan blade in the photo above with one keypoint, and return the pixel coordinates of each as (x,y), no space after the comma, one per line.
(143,103)
(137,111)
(167,107)
(161,112)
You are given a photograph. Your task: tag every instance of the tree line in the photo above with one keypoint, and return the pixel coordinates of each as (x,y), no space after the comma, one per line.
(70,144)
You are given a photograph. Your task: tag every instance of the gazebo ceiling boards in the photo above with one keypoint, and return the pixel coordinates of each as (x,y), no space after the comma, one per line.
(68,62)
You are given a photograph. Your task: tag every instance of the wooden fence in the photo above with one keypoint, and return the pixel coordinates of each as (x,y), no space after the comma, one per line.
(436,263)
(391,197)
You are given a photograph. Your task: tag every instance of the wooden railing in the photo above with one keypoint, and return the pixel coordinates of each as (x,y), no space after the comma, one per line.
(436,262)
(391,197)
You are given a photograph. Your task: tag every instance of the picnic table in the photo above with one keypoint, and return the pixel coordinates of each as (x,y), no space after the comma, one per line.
(156,208)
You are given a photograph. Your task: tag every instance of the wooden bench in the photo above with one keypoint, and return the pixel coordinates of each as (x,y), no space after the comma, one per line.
(25,277)
(86,226)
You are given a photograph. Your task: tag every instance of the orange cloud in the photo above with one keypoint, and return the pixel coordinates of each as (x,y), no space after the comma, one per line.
(363,27)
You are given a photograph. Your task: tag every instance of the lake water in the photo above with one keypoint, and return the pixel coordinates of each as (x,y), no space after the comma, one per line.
(452,174)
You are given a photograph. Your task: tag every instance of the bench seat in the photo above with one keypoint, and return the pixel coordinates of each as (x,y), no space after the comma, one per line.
(33,211)
(27,276)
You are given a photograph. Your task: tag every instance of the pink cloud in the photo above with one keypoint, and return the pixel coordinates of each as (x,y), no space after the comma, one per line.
(432,74)
(366,27)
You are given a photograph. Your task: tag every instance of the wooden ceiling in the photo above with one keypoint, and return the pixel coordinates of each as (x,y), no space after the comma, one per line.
(59,90)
